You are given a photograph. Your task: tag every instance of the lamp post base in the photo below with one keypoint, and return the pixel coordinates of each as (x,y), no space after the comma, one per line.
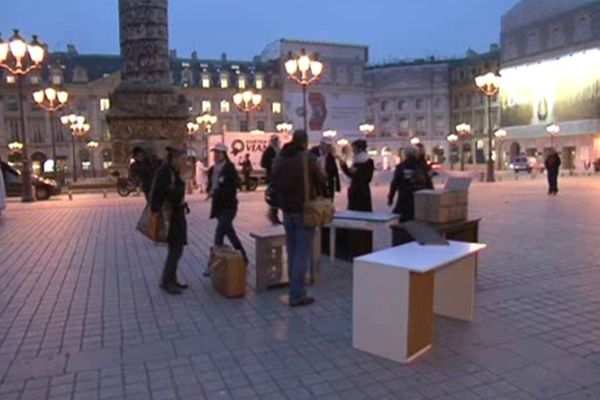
(27,190)
(490,171)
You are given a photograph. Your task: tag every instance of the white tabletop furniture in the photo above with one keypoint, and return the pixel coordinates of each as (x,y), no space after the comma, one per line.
(397,291)
(377,222)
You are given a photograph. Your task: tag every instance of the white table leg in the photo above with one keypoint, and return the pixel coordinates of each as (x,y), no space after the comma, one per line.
(382,237)
(332,234)
(455,289)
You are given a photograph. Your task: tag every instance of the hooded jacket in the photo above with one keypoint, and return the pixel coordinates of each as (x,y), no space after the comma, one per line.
(288,178)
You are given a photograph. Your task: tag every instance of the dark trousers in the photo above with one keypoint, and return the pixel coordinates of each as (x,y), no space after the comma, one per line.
(552,181)
(169,275)
(225,229)
(246,180)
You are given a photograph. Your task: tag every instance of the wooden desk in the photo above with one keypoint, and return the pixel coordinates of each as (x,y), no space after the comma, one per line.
(377,222)
(397,291)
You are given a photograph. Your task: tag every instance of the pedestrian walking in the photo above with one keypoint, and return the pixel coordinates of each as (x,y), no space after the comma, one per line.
(266,162)
(409,176)
(552,164)
(293,162)
(328,164)
(169,188)
(223,184)
(200,176)
(247,171)
(360,174)
(143,170)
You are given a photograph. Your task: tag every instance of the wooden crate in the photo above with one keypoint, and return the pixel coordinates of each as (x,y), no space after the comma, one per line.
(441,206)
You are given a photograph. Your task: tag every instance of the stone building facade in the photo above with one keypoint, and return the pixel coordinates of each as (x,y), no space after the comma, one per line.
(408,100)
(469,105)
(550,64)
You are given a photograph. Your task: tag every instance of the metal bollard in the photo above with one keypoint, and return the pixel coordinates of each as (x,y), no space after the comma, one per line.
(104,194)
(481,177)
(70,194)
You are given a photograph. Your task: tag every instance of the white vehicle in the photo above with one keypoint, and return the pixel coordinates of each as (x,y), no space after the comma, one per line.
(523,164)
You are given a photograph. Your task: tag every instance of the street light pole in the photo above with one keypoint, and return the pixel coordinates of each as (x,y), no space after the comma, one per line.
(489,84)
(51,100)
(19,58)
(246,101)
(298,70)
(463,130)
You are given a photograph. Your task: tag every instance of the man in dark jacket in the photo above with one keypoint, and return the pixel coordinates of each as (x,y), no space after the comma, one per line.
(552,164)
(328,166)
(360,174)
(142,170)
(266,162)
(422,157)
(288,177)
(410,176)
(223,184)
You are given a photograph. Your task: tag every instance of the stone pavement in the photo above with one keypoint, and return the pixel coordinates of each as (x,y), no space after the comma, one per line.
(82,317)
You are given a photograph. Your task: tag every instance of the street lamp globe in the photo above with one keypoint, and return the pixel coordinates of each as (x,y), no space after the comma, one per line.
(92,144)
(500,134)
(343,142)
(463,129)
(366,129)
(415,141)
(329,133)
(452,138)
(284,127)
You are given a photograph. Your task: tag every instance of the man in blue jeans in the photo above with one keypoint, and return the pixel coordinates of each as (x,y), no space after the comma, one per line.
(288,176)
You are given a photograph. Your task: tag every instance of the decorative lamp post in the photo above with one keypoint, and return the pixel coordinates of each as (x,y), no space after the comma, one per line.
(207,120)
(19,58)
(284,127)
(51,100)
(552,130)
(15,147)
(452,139)
(257,132)
(489,84)
(464,130)
(247,101)
(500,135)
(303,70)
(329,133)
(415,141)
(79,128)
(92,145)
(366,129)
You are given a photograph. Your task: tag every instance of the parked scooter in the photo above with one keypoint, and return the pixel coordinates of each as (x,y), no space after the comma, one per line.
(125,185)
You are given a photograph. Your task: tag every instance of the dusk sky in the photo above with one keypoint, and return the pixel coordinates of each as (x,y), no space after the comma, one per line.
(394,29)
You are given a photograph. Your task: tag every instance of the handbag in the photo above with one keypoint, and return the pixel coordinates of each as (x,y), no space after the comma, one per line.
(318,211)
(155,226)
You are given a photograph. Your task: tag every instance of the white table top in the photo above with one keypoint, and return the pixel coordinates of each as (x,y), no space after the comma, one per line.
(417,258)
(365,216)
(268,232)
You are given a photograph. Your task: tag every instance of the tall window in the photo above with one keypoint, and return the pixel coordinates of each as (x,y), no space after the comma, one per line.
(243,126)
(104,104)
(10,79)
(205,81)
(56,79)
(224,81)
(12,103)
(259,81)
(276,107)
(383,105)
(401,105)
(260,125)
(225,107)
(419,104)
(242,82)
(206,106)
(15,129)
(403,126)
(420,125)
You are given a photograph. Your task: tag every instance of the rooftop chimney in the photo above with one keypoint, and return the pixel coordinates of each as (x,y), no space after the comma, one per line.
(194,55)
(71,49)
(223,58)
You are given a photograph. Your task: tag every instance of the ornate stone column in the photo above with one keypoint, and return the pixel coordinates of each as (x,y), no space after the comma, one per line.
(145,107)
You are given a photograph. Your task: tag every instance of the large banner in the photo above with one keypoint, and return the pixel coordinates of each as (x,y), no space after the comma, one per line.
(563,89)
(342,111)
(241,143)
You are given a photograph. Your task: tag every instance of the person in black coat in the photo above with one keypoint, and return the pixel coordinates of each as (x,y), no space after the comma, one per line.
(329,166)
(223,184)
(422,156)
(246,170)
(552,164)
(142,170)
(266,162)
(169,188)
(409,176)
(360,174)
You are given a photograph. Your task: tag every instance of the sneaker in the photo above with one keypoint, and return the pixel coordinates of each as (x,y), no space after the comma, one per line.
(170,288)
(303,301)
(181,285)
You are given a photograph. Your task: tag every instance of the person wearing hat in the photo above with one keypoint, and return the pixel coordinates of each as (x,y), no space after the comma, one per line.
(324,155)
(360,174)
(143,170)
(169,187)
(410,175)
(223,184)
(266,162)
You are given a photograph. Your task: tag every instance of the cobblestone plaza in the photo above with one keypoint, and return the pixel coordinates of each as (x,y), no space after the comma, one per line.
(82,316)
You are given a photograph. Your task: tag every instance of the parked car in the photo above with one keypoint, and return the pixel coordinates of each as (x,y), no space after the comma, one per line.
(521,164)
(44,188)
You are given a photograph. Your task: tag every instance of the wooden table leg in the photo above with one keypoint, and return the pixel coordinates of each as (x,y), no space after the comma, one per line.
(455,289)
